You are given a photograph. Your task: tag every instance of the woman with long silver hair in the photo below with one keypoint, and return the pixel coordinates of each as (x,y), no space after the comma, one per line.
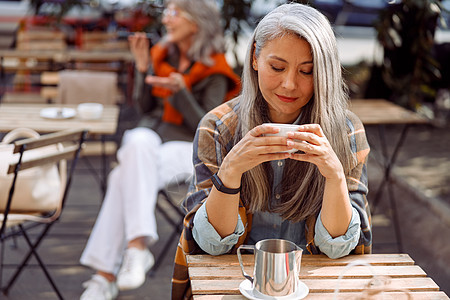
(177,82)
(246,186)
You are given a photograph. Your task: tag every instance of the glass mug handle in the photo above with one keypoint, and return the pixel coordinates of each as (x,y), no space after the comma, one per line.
(246,247)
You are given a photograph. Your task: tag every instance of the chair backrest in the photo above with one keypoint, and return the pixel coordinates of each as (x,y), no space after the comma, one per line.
(103,41)
(41,40)
(65,145)
(76,86)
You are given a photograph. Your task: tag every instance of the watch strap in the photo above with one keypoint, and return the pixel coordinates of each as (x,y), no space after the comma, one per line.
(220,187)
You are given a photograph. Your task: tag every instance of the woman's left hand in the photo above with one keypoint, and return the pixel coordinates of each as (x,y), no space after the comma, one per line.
(317,150)
(173,82)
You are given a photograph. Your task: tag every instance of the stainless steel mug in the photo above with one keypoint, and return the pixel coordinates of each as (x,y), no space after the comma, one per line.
(277,266)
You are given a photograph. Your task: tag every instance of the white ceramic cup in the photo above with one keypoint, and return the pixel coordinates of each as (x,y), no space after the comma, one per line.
(90,111)
(284,129)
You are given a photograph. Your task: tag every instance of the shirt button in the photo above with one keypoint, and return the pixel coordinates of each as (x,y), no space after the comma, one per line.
(278,196)
(280,163)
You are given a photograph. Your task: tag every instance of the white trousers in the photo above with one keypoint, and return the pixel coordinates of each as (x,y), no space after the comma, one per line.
(128,211)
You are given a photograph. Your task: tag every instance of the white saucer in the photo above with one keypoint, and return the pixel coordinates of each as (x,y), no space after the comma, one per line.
(58,113)
(246,289)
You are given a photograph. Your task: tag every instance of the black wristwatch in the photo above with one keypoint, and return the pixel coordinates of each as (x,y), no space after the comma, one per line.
(220,187)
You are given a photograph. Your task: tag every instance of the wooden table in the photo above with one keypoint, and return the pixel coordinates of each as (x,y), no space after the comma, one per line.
(218,277)
(62,58)
(99,56)
(36,54)
(379,113)
(14,115)
(68,55)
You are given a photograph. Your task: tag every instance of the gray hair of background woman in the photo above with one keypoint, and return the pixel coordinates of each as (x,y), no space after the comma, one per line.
(327,107)
(209,38)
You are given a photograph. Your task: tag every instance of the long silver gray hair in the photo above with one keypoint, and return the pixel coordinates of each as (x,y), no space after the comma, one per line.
(209,39)
(303,184)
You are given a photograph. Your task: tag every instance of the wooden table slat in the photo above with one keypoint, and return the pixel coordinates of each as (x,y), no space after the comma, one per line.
(248,259)
(234,272)
(64,55)
(220,286)
(341,296)
(356,284)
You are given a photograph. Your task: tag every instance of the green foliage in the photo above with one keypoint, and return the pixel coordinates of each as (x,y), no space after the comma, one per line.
(236,16)
(406,32)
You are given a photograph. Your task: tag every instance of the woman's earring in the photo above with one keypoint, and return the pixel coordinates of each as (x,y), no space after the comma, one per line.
(255,67)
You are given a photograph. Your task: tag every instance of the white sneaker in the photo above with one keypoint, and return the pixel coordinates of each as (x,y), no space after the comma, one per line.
(135,265)
(99,288)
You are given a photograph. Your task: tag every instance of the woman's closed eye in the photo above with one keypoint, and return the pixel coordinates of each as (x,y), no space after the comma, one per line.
(277,69)
(281,69)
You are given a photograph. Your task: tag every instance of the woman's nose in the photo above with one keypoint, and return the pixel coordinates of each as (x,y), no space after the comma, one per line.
(290,81)
(166,19)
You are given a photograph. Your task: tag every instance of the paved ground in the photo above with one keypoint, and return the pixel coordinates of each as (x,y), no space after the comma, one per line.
(421,193)
(421,181)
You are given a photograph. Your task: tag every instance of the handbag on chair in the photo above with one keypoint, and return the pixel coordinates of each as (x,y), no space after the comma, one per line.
(38,189)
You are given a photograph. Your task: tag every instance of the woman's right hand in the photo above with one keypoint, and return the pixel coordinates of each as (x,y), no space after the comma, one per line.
(253,149)
(139,47)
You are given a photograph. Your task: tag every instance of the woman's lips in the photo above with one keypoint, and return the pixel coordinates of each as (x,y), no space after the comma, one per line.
(286,99)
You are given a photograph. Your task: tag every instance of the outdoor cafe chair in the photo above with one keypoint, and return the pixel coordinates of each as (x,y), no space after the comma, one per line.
(171,211)
(66,146)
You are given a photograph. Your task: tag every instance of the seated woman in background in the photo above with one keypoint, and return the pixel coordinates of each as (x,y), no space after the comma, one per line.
(246,187)
(184,76)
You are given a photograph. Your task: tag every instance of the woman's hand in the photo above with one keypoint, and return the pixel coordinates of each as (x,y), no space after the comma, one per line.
(174,82)
(139,47)
(336,210)
(317,150)
(253,149)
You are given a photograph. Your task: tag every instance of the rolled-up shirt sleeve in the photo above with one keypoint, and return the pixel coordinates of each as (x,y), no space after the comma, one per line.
(341,245)
(207,237)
